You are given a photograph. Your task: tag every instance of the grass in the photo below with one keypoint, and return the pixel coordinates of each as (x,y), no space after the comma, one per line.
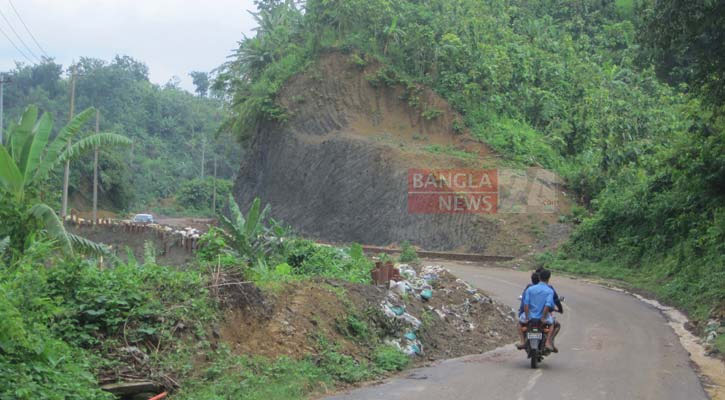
(450,151)
(692,290)
(720,344)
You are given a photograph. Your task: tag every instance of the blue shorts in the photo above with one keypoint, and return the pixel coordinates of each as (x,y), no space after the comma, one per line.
(549,319)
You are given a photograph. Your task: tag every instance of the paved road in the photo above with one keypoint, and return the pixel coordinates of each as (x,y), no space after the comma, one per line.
(612,346)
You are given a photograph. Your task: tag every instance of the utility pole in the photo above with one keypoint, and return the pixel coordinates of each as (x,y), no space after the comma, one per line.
(213,196)
(95,173)
(3,81)
(66,174)
(203,149)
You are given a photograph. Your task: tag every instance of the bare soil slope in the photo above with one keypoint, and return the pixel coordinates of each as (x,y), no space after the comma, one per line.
(456,321)
(337,169)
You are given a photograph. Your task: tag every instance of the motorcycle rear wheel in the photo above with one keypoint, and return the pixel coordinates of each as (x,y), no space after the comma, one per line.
(534,360)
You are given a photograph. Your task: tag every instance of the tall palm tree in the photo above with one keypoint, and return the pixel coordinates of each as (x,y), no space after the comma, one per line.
(28,157)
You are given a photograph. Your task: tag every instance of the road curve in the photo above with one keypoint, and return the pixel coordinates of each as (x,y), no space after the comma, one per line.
(612,346)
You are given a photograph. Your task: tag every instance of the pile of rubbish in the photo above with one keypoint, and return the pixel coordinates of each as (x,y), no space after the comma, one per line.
(421,291)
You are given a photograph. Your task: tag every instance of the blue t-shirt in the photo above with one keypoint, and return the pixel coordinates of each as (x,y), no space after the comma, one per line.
(537,297)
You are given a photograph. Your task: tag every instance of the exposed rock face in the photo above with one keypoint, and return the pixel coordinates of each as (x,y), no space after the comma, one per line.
(337,169)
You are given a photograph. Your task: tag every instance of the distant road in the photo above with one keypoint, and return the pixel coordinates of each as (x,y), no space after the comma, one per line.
(612,347)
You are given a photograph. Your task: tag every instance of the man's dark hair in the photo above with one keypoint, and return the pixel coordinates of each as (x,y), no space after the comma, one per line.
(544,275)
(535,278)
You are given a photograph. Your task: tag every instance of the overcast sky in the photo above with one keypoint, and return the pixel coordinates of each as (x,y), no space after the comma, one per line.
(173,37)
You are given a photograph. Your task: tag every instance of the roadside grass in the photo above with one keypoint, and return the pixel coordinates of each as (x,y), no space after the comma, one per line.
(696,290)
(720,344)
(231,376)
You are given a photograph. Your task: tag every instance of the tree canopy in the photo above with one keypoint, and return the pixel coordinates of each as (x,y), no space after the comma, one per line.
(168,126)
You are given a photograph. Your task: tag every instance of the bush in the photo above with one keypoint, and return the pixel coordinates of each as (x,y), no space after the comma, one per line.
(58,325)
(34,362)
(407,253)
(197,194)
(310,259)
(389,358)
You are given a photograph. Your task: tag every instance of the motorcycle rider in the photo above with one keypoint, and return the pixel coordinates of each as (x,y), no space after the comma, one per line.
(538,303)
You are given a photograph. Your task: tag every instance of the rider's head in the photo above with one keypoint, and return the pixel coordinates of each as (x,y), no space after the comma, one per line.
(544,275)
(535,278)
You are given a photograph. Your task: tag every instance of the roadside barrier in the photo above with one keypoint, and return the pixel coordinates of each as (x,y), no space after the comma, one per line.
(186,238)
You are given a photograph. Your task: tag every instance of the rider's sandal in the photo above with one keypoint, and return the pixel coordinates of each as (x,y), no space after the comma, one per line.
(520,346)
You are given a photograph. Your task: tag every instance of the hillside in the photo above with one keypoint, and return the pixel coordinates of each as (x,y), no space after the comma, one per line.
(621,99)
(337,169)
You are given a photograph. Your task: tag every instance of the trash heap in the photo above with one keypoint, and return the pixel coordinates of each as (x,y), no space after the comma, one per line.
(432,290)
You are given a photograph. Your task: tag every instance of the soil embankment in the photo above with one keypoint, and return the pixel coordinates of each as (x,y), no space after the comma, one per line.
(337,168)
(456,320)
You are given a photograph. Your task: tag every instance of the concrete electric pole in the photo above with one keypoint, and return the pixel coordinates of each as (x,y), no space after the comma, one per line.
(3,81)
(66,174)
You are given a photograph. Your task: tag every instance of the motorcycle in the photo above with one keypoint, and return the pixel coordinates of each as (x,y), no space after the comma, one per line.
(536,333)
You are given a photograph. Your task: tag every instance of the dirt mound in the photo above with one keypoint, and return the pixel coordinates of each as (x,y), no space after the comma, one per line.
(337,169)
(456,321)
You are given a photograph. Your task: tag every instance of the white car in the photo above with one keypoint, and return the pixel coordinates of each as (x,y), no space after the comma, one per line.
(143,219)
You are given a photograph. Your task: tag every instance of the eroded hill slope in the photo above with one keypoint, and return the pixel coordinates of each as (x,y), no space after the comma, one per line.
(337,169)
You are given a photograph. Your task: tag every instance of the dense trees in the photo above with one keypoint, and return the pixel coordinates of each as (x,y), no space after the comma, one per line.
(167,125)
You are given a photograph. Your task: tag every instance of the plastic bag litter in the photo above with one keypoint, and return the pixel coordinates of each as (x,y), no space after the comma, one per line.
(400,288)
(413,349)
(411,320)
(398,310)
(410,336)
(426,294)
(406,271)
(390,310)
(432,269)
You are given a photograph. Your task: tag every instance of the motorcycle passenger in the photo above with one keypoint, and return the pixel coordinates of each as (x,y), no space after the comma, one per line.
(520,325)
(538,303)
(559,308)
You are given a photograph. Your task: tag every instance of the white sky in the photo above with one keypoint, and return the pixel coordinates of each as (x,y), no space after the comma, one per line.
(173,37)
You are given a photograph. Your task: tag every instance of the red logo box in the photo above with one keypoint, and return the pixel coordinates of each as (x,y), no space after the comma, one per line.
(452,191)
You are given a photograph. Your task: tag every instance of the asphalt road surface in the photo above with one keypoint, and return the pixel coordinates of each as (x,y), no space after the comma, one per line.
(612,346)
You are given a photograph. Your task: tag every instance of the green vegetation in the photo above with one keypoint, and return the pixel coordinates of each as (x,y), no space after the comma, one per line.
(274,255)
(451,151)
(407,253)
(236,377)
(197,195)
(163,122)
(622,98)
(27,159)
(62,325)
(68,321)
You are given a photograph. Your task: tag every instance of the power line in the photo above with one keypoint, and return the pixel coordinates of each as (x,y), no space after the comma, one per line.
(16,47)
(28,29)
(18,36)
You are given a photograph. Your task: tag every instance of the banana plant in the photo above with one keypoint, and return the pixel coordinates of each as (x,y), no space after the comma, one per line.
(28,157)
(252,237)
